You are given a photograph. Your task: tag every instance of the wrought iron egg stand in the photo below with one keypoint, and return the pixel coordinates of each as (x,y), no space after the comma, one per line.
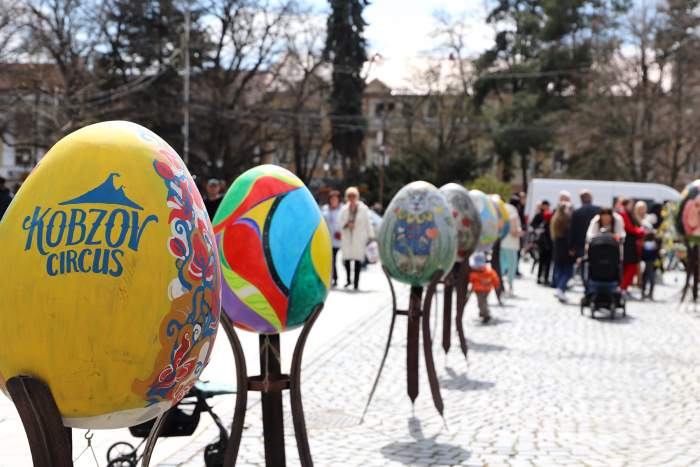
(418,308)
(270,385)
(50,442)
(458,279)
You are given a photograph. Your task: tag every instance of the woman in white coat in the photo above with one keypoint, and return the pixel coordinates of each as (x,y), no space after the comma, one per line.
(357,232)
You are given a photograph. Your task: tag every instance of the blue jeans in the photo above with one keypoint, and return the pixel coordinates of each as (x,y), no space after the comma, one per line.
(563,274)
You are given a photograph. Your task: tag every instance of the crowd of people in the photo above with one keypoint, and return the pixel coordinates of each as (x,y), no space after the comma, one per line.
(560,237)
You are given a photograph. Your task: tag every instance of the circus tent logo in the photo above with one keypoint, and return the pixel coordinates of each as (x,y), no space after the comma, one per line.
(91,238)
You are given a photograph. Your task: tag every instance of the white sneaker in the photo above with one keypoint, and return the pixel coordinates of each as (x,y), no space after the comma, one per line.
(560,295)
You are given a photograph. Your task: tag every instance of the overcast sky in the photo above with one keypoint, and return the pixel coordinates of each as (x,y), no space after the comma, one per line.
(401,28)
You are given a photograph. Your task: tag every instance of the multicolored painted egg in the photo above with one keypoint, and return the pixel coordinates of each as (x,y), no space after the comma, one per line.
(688,216)
(418,235)
(110,278)
(503,217)
(489,219)
(275,251)
(466,217)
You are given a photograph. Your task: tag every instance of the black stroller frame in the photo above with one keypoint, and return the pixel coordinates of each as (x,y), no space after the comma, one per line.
(604,265)
(177,423)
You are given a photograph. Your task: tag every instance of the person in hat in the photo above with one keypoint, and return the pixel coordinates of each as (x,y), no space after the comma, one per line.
(483,279)
(213,200)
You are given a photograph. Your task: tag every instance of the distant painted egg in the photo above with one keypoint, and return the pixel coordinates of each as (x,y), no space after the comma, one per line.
(466,218)
(110,277)
(688,216)
(417,236)
(489,219)
(275,251)
(503,216)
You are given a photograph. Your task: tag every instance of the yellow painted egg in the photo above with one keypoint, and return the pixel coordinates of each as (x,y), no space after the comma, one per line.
(110,278)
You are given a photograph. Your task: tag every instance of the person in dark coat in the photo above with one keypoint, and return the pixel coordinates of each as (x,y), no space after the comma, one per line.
(543,240)
(580,221)
(562,258)
(5,197)
(538,219)
(630,251)
(213,199)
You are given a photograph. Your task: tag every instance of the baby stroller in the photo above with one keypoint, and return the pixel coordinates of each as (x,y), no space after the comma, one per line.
(182,421)
(604,276)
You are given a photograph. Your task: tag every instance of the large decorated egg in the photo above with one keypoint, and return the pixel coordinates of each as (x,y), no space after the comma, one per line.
(275,251)
(688,216)
(466,217)
(503,216)
(110,278)
(489,219)
(418,236)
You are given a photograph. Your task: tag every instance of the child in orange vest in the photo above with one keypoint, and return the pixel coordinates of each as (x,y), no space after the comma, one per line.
(483,279)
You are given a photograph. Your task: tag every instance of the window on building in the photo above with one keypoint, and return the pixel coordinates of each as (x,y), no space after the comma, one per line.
(559,160)
(23,157)
(432,110)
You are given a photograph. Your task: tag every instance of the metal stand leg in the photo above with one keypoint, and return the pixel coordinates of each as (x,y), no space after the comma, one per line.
(270,383)
(295,392)
(428,344)
(271,398)
(447,311)
(234,441)
(462,297)
(412,344)
(161,422)
(49,441)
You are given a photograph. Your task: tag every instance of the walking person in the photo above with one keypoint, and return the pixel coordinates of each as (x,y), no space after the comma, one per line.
(483,279)
(650,253)
(578,228)
(213,199)
(510,245)
(522,197)
(543,240)
(633,232)
(357,232)
(561,256)
(331,211)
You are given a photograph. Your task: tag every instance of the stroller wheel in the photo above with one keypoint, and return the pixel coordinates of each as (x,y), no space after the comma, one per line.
(215,453)
(119,451)
(122,462)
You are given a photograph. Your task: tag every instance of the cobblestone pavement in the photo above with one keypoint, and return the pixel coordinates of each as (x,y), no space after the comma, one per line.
(544,386)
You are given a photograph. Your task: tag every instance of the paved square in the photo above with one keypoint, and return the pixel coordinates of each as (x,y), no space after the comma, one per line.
(544,386)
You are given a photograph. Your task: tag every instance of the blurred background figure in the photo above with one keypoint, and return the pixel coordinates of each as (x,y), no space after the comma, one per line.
(564,197)
(523,225)
(483,279)
(561,256)
(633,231)
(5,197)
(580,222)
(213,199)
(510,245)
(331,211)
(357,231)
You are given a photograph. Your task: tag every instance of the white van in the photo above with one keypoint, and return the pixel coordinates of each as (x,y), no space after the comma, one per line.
(604,192)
